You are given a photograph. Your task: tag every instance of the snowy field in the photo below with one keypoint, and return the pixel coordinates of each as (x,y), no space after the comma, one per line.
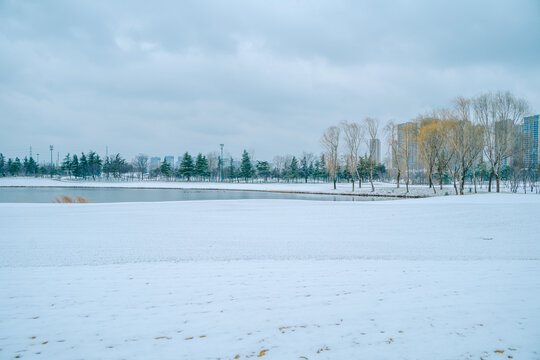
(435,278)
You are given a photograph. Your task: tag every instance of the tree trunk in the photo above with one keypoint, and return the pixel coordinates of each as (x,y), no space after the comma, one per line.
(474,178)
(334,183)
(371,179)
(490,179)
(352,184)
(398,176)
(498,177)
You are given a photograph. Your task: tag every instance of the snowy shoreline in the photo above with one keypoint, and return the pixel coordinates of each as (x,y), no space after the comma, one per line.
(343,189)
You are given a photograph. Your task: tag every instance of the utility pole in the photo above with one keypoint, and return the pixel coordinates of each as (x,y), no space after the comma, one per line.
(221,161)
(51,148)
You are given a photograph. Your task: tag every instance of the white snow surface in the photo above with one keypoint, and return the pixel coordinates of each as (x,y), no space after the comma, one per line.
(435,278)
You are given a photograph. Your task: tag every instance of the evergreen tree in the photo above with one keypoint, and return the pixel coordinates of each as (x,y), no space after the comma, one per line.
(246,168)
(311,169)
(293,171)
(2,165)
(94,164)
(201,166)
(83,166)
(14,167)
(166,169)
(232,172)
(186,168)
(320,168)
(119,166)
(66,165)
(263,168)
(74,166)
(305,168)
(30,166)
(107,166)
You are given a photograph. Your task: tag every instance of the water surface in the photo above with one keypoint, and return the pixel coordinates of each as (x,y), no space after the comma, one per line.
(104,195)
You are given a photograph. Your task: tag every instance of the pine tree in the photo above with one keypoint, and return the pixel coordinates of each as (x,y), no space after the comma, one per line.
(201,166)
(305,168)
(66,165)
(15,167)
(30,166)
(119,166)
(186,168)
(166,169)
(75,167)
(293,172)
(246,168)
(263,168)
(2,165)
(94,164)
(232,172)
(107,166)
(83,166)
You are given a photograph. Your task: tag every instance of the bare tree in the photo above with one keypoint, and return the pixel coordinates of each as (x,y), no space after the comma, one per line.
(353,134)
(499,115)
(465,139)
(408,136)
(330,143)
(279,166)
(391,132)
(430,141)
(372,127)
(213,164)
(141,165)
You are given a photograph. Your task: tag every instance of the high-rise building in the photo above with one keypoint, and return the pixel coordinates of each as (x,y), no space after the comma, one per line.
(155,162)
(532,145)
(375,150)
(169,160)
(407,140)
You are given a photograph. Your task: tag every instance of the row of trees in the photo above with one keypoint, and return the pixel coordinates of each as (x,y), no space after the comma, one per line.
(288,168)
(342,146)
(454,142)
(84,166)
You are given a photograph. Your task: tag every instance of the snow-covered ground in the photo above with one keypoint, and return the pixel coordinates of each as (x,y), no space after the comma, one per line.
(381,188)
(434,278)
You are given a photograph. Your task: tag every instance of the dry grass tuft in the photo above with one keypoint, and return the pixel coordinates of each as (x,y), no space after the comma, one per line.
(67,200)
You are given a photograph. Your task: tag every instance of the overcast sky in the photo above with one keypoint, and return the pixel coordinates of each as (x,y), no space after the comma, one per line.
(168,77)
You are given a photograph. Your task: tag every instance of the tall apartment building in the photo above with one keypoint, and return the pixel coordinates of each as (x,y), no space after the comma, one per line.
(532,145)
(155,162)
(375,149)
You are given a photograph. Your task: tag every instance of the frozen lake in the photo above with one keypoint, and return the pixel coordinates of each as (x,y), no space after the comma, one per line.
(105,195)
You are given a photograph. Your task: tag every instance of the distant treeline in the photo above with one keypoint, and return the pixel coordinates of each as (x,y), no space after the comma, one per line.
(200,168)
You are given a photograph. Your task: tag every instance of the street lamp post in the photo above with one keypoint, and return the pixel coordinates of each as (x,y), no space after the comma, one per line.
(221,161)
(51,148)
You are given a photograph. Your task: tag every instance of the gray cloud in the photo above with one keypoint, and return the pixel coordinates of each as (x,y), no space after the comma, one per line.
(271,76)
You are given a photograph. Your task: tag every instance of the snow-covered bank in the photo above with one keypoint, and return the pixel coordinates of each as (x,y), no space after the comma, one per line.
(479,227)
(385,189)
(444,278)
